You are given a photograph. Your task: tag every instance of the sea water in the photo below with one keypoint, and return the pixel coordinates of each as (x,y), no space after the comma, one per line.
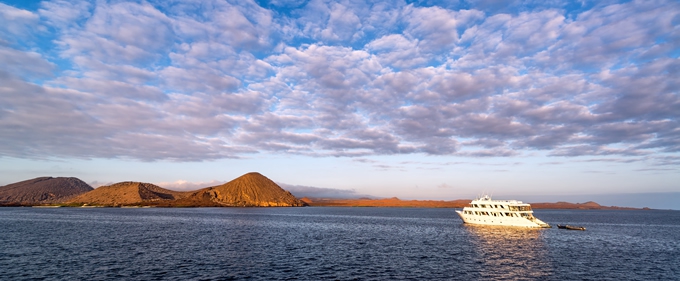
(328,243)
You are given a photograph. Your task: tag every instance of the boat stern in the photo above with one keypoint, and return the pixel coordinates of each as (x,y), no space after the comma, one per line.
(541,223)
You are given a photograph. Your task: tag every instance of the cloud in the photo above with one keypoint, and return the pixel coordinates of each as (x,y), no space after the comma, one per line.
(444,186)
(198,80)
(182,185)
(64,13)
(130,24)
(16,24)
(437,28)
(96,184)
(397,51)
(184,82)
(321,192)
(29,65)
(342,23)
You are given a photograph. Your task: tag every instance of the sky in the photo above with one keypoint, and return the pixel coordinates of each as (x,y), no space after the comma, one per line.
(528,100)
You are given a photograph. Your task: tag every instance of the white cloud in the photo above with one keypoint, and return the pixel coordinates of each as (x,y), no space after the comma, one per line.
(29,65)
(16,23)
(342,23)
(62,13)
(186,82)
(131,24)
(182,185)
(198,80)
(397,51)
(437,28)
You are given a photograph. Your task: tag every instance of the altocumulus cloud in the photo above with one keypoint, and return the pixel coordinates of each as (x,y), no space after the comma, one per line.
(196,80)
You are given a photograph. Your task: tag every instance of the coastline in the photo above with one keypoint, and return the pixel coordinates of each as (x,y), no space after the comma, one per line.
(332,202)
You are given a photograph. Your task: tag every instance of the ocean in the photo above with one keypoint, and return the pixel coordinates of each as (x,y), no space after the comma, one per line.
(329,243)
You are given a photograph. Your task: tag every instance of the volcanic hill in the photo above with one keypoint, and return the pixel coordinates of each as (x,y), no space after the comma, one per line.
(42,190)
(128,193)
(249,190)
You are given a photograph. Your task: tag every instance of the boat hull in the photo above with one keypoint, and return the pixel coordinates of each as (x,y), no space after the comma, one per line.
(571,227)
(503,221)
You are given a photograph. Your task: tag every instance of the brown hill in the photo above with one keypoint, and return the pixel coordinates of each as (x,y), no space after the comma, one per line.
(128,193)
(43,190)
(249,190)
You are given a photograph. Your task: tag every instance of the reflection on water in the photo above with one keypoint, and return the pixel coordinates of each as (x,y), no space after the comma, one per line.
(510,253)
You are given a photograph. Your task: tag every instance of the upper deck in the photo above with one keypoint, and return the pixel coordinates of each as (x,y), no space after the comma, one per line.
(486,202)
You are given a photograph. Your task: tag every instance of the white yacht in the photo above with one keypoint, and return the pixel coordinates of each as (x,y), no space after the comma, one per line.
(483,210)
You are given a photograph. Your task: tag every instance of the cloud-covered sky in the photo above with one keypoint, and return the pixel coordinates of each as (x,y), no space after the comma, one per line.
(390,85)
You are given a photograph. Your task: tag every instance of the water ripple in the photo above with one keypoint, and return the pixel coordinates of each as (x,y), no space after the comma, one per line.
(330,243)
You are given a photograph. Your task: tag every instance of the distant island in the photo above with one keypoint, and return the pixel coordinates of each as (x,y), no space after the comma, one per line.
(248,190)
(460,203)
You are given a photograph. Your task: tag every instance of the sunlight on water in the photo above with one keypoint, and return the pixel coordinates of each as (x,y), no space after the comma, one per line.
(510,252)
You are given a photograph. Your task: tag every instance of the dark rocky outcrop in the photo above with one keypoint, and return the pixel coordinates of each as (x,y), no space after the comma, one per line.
(43,190)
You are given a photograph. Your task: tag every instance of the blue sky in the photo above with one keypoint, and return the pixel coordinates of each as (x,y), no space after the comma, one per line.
(416,99)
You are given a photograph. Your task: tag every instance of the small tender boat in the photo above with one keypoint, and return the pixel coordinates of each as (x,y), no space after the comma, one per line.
(483,210)
(570,227)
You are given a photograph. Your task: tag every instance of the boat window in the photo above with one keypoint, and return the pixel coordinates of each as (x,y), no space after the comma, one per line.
(502,207)
(483,206)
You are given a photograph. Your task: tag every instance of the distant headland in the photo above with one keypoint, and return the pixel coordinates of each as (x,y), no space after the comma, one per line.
(248,190)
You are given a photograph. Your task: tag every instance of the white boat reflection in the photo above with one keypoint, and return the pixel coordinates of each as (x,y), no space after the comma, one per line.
(511,253)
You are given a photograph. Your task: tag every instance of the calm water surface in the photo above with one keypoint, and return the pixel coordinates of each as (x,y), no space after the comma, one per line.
(318,243)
